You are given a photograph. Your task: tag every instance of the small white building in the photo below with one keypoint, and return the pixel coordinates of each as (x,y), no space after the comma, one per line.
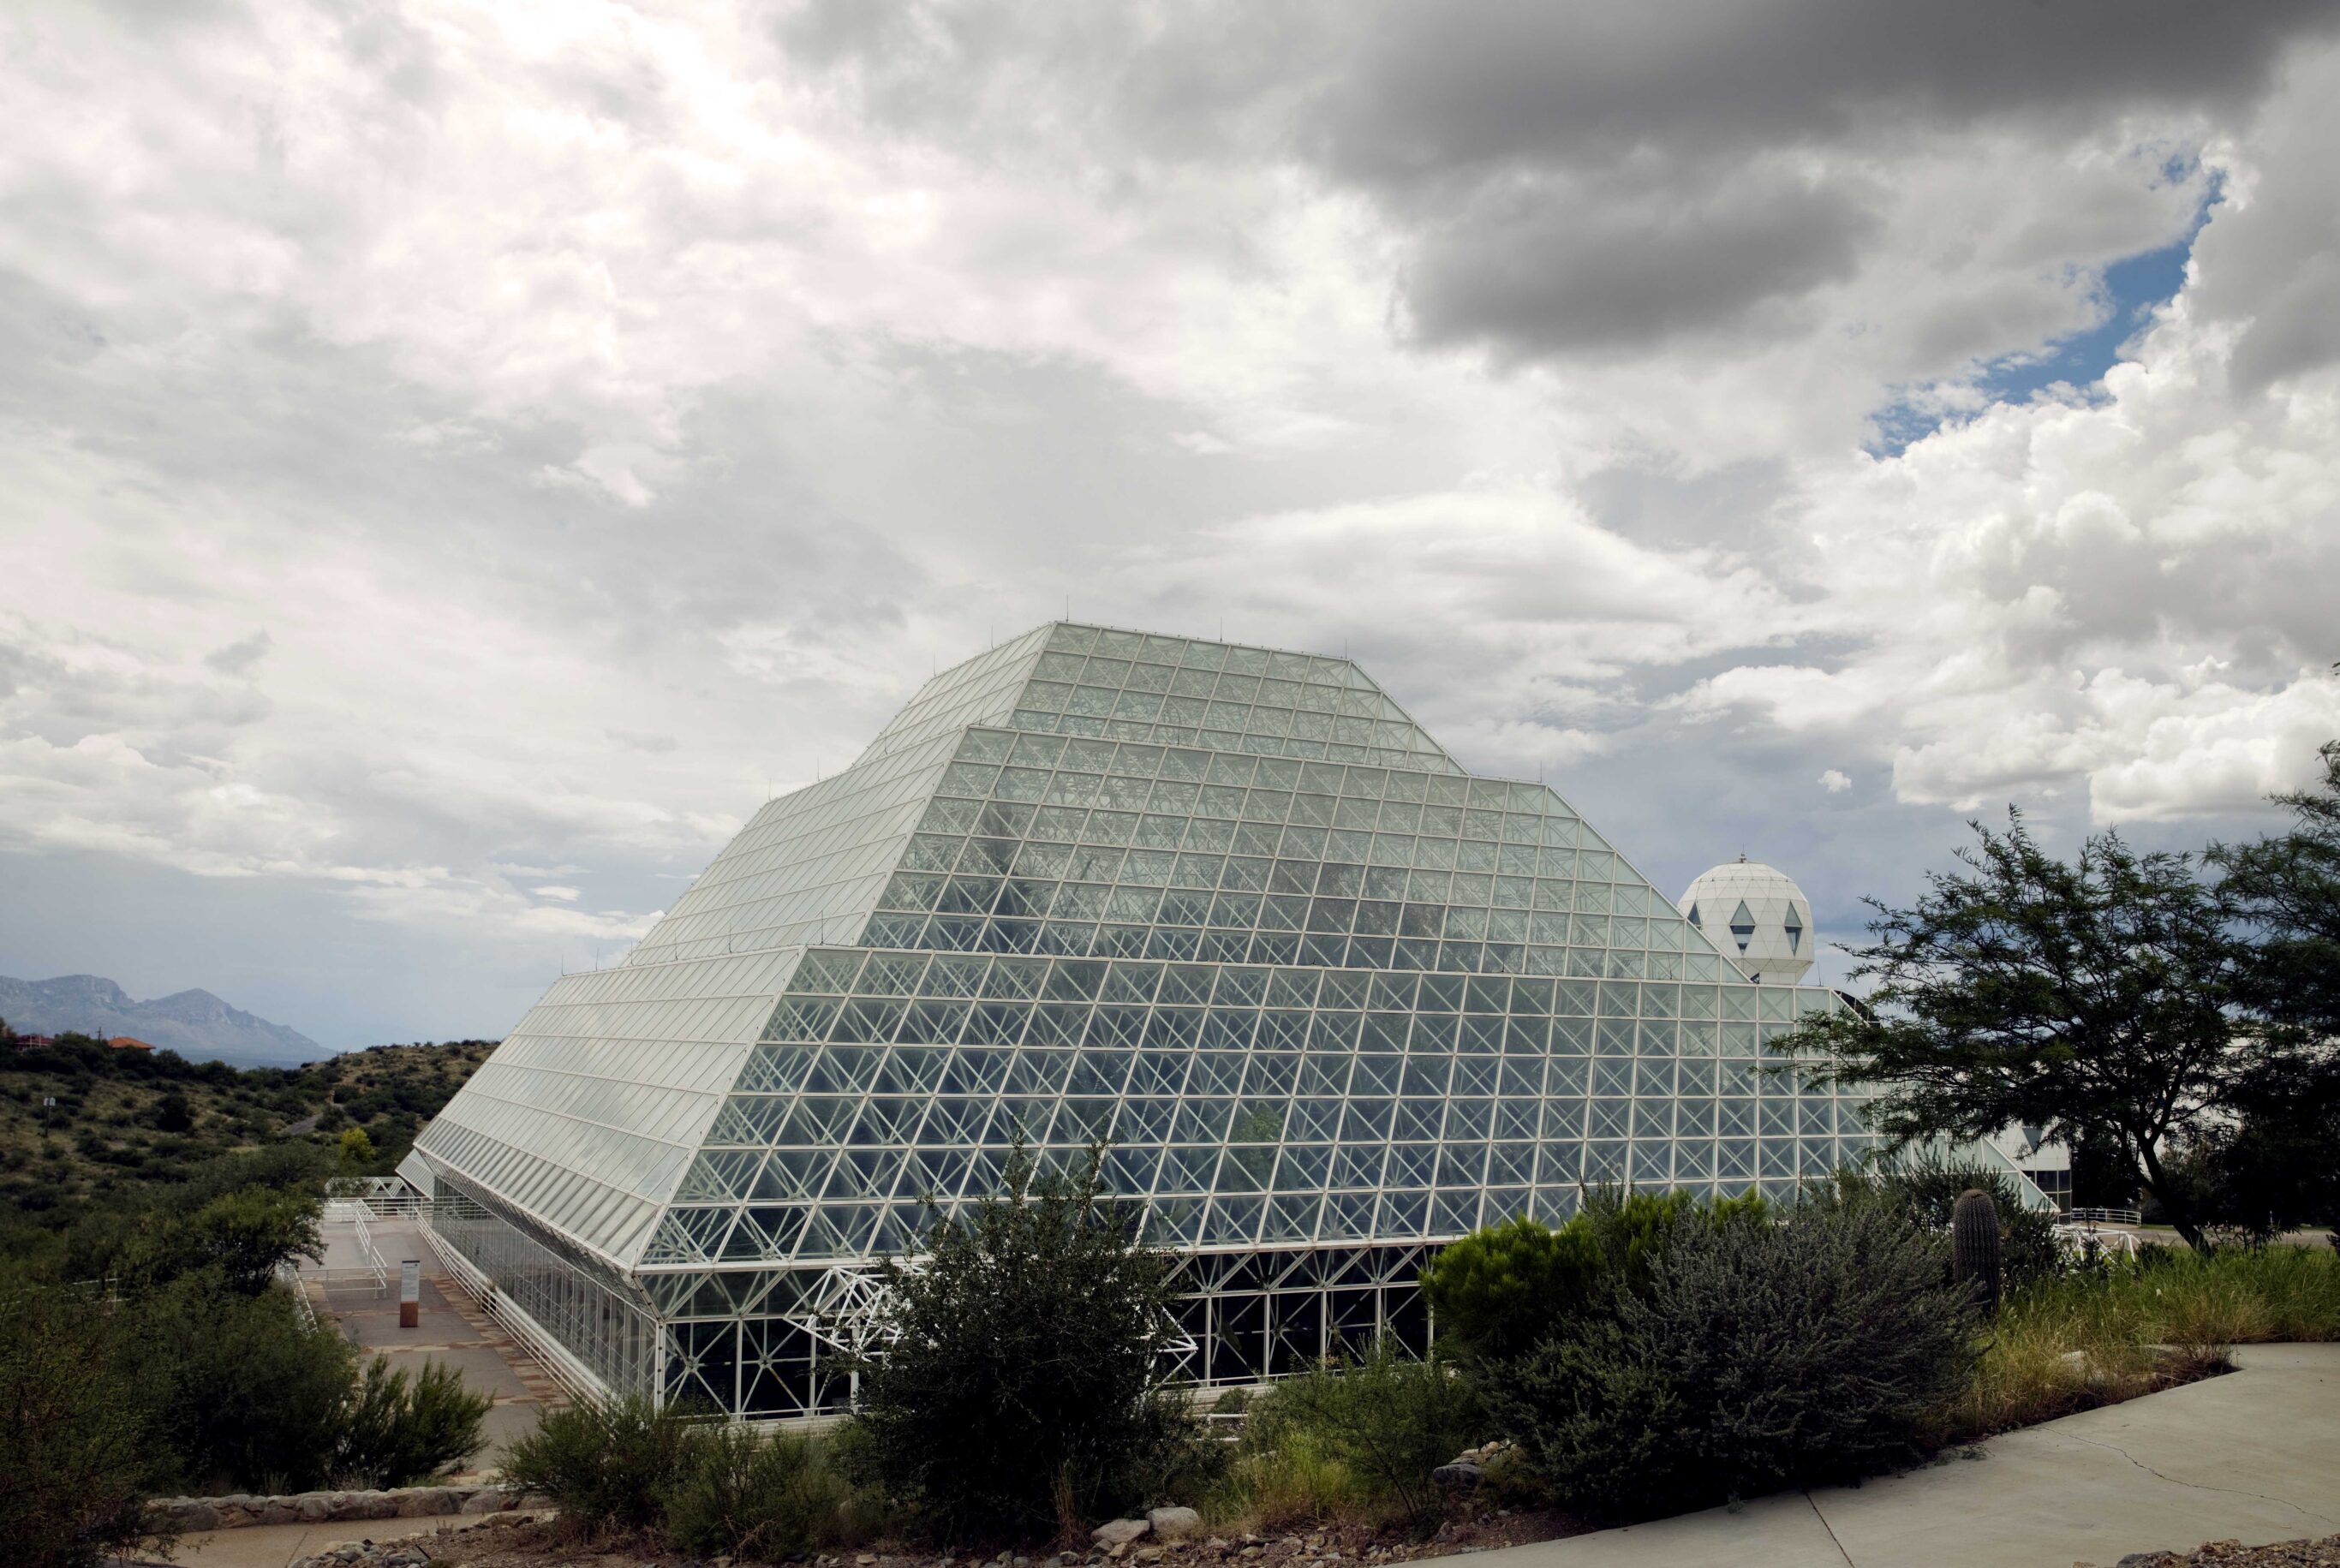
(1758,917)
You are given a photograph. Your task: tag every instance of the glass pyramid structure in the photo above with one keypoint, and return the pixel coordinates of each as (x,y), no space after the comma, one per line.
(1329,1000)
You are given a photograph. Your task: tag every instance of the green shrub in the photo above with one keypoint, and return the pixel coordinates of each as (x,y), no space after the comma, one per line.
(1929,1185)
(243,1236)
(1821,1348)
(1020,1391)
(1386,1421)
(239,1393)
(745,1495)
(73,1459)
(398,1431)
(1502,1289)
(606,1463)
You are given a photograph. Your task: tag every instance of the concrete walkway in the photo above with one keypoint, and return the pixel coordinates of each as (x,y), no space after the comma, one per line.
(2252,1456)
(453,1331)
(274,1545)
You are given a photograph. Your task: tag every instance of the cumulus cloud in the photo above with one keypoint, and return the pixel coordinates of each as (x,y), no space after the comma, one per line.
(453,441)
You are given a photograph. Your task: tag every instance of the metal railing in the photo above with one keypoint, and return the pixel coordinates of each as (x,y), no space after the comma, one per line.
(288,1274)
(2086,1244)
(371,1198)
(371,1264)
(2103,1216)
(555,1357)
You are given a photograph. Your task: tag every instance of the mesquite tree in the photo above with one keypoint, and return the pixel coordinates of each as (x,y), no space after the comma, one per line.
(2103,996)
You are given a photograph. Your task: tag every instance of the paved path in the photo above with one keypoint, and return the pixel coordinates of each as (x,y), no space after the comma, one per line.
(274,1545)
(453,1331)
(2252,1456)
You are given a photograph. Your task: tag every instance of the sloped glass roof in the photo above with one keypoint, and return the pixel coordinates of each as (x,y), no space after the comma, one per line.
(1228,909)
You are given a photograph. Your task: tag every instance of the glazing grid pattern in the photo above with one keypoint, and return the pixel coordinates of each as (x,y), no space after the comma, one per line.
(602,1319)
(589,1112)
(1329,1000)
(1244,1104)
(1098,682)
(740,1341)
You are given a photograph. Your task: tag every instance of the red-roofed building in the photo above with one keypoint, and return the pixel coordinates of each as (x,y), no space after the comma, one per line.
(125,1043)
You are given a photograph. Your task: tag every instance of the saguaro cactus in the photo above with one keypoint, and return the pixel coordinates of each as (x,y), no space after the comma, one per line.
(1974,1245)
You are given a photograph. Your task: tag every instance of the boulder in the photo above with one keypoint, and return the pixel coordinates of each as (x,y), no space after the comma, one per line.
(189,1514)
(1119,1532)
(1462,1475)
(1174,1524)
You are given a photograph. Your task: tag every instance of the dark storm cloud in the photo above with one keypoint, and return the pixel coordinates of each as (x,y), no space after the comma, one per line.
(1578,177)
(1595,179)
(1539,267)
(1434,92)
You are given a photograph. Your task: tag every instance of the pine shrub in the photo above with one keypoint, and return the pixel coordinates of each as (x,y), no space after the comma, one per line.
(1502,1290)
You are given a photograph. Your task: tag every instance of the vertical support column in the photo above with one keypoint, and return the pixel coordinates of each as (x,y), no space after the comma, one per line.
(410,1294)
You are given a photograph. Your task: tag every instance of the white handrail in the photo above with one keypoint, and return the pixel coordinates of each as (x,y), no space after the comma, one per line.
(288,1274)
(2103,1216)
(555,1357)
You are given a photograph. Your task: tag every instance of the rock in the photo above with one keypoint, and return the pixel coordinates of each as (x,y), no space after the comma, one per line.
(486,1500)
(1119,1532)
(1175,1524)
(1461,1475)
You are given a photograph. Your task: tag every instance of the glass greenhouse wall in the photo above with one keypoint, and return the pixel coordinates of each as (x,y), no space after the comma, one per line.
(1329,1000)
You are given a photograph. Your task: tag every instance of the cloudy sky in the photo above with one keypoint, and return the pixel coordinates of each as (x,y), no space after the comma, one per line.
(460,457)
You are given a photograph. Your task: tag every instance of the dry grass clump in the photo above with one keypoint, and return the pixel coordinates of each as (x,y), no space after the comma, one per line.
(1279,1485)
(2104,1335)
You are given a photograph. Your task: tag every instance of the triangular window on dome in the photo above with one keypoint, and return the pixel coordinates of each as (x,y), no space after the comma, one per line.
(1742,925)
(1693,914)
(1795,930)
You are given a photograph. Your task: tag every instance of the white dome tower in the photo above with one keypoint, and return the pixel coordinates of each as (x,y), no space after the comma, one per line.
(1758,917)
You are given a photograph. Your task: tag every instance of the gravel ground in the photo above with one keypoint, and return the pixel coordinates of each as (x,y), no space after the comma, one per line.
(534,1544)
(2323,1553)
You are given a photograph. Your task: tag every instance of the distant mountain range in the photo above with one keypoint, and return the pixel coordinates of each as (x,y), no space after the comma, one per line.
(195,1023)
